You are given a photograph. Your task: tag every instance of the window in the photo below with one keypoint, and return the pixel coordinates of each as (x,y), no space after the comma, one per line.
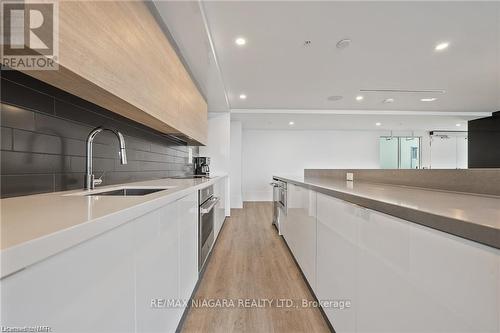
(399,152)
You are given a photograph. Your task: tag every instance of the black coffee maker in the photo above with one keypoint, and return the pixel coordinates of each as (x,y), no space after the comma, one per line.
(202,166)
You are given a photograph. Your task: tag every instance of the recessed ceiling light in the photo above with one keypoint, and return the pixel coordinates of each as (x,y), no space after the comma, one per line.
(243,96)
(428,99)
(291,123)
(442,46)
(378,124)
(359,98)
(334,98)
(388,100)
(458,125)
(343,43)
(240,41)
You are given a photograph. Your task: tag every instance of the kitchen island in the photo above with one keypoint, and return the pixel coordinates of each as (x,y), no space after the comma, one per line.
(404,258)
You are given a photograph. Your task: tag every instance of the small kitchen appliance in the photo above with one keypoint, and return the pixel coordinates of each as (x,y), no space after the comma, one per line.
(202,166)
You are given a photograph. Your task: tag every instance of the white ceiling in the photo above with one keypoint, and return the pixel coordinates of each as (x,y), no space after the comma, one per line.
(186,24)
(388,122)
(392,48)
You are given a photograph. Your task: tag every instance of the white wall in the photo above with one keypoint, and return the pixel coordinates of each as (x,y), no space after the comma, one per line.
(235,165)
(218,149)
(269,152)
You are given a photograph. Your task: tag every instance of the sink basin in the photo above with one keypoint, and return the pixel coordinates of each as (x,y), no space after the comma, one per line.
(126,192)
(123,191)
(191,177)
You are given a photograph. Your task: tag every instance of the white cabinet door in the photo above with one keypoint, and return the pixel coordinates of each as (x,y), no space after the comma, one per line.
(157,269)
(87,288)
(108,283)
(427,279)
(301,229)
(188,237)
(220,209)
(400,276)
(292,216)
(336,259)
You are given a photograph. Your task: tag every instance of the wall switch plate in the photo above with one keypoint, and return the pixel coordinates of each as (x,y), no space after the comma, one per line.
(349,176)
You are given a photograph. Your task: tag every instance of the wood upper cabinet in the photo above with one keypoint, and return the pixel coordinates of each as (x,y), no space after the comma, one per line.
(114,54)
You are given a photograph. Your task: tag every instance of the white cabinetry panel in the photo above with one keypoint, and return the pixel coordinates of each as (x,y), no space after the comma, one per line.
(157,260)
(167,263)
(188,236)
(107,284)
(220,209)
(336,259)
(401,276)
(88,288)
(300,228)
(461,277)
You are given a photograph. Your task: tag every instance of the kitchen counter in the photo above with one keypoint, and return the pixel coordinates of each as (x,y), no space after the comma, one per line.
(474,217)
(35,227)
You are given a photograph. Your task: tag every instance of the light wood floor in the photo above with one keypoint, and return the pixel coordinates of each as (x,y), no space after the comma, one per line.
(251,261)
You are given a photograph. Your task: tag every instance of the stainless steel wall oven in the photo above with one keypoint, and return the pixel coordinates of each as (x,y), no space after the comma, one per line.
(206,219)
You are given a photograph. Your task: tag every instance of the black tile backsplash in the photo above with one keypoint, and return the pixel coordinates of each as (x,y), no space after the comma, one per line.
(43,133)
(26,184)
(25,97)
(14,117)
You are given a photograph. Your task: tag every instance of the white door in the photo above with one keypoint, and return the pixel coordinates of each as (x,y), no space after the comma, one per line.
(449,152)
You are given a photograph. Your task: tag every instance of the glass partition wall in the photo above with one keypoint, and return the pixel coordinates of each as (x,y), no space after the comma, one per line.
(400,152)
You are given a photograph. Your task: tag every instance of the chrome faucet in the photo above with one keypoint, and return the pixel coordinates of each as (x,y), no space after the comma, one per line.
(90,181)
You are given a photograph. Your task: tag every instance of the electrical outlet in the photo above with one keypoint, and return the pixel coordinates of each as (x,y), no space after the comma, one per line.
(349,176)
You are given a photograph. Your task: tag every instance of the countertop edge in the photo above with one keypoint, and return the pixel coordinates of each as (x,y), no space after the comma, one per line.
(20,256)
(474,232)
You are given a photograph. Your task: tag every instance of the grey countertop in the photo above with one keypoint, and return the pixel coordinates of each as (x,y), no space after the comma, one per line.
(473,217)
(35,227)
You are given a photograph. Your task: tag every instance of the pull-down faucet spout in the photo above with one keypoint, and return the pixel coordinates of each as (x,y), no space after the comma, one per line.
(90,181)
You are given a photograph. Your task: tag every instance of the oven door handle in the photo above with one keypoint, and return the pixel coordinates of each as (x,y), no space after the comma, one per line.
(209,205)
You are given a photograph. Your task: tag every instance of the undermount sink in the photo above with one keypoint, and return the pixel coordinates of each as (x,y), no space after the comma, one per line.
(121,191)
(191,177)
(125,192)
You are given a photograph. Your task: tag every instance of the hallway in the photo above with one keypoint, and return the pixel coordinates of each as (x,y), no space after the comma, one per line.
(250,261)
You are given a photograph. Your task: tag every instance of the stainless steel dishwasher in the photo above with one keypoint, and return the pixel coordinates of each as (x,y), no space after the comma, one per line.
(279,202)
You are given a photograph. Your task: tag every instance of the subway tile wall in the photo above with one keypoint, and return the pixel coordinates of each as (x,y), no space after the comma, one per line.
(43,133)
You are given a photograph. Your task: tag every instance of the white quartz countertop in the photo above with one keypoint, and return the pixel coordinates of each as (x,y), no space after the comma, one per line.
(36,226)
(474,217)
